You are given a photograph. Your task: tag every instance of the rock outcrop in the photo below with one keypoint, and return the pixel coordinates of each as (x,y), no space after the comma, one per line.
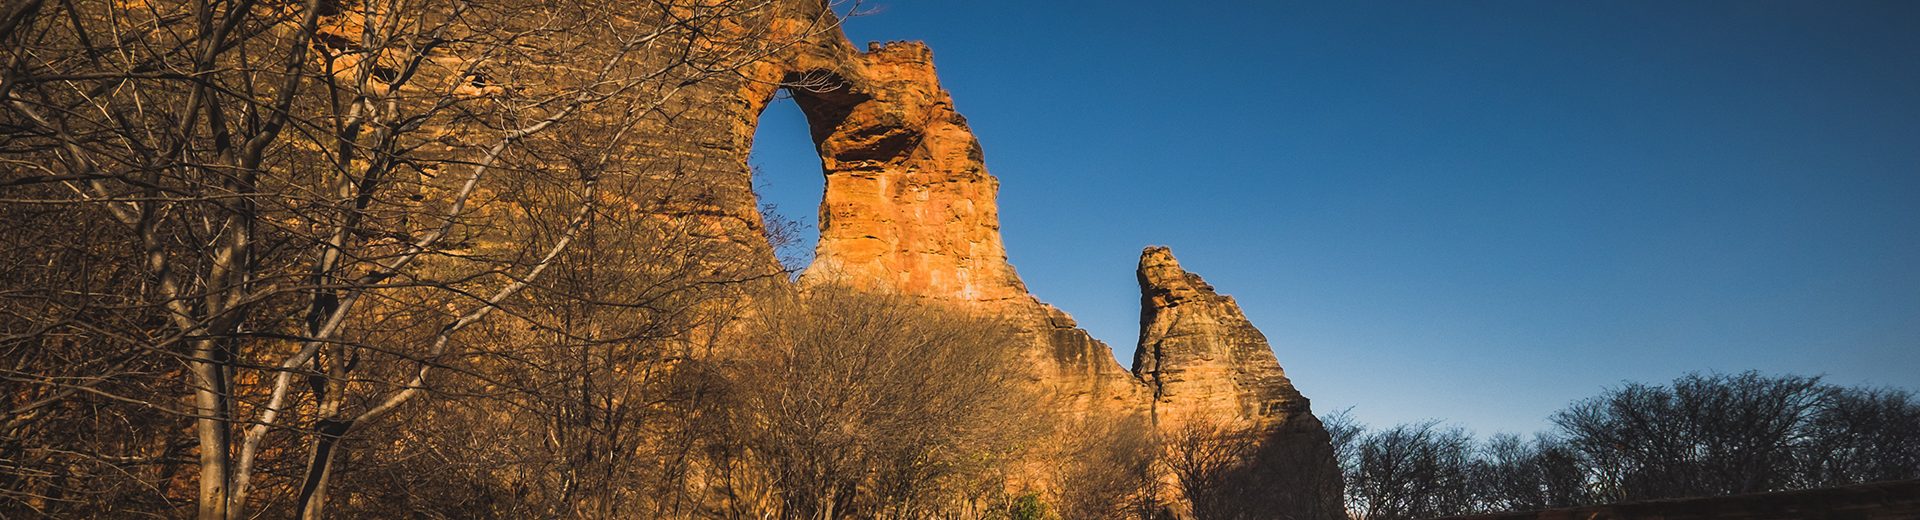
(909,207)
(1201,357)
(908,200)
(1210,370)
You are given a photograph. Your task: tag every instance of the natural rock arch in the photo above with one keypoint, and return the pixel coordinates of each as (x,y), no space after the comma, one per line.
(908,204)
(909,207)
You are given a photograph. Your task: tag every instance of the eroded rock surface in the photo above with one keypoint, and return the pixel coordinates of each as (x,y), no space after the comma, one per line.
(1201,357)
(908,199)
(1210,369)
(909,207)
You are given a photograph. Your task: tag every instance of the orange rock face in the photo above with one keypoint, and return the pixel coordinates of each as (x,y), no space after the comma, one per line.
(909,204)
(1209,368)
(1203,360)
(910,208)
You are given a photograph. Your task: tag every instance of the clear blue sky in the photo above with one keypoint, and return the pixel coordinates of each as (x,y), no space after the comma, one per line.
(1473,211)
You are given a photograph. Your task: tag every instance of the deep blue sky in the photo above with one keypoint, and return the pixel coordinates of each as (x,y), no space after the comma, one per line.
(1470,211)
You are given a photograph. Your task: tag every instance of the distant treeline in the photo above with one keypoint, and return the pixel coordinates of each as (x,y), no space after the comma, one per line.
(1701,435)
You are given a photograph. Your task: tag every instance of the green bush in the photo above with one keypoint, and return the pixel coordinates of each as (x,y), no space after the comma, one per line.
(1030,507)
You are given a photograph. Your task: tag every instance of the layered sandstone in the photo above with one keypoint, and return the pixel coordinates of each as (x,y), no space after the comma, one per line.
(908,201)
(909,207)
(1201,357)
(1211,370)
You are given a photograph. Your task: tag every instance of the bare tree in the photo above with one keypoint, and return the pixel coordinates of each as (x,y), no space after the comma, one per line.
(1208,463)
(1413,471)
(292,219)
(1525,475)
(1701,436)
(1344,432)
(1110,470)
(846,404)
(1862,435)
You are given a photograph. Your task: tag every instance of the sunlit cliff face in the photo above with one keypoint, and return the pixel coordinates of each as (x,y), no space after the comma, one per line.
(910,208)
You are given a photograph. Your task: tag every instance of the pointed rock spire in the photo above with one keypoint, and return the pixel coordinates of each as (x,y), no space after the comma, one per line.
(1213,374)
(1201,356)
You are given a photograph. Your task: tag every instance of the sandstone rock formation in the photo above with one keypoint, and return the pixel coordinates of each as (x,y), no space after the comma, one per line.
(1209,368)
(908,202)
(1201,357)
(910,208)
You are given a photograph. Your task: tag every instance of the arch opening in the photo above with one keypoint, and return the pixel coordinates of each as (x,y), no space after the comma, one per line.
(789,181)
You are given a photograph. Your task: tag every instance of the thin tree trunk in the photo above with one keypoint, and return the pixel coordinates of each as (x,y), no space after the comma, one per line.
(210,423)
(313,491)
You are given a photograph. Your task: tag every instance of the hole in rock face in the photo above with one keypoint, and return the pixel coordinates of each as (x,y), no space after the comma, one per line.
(788,181)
